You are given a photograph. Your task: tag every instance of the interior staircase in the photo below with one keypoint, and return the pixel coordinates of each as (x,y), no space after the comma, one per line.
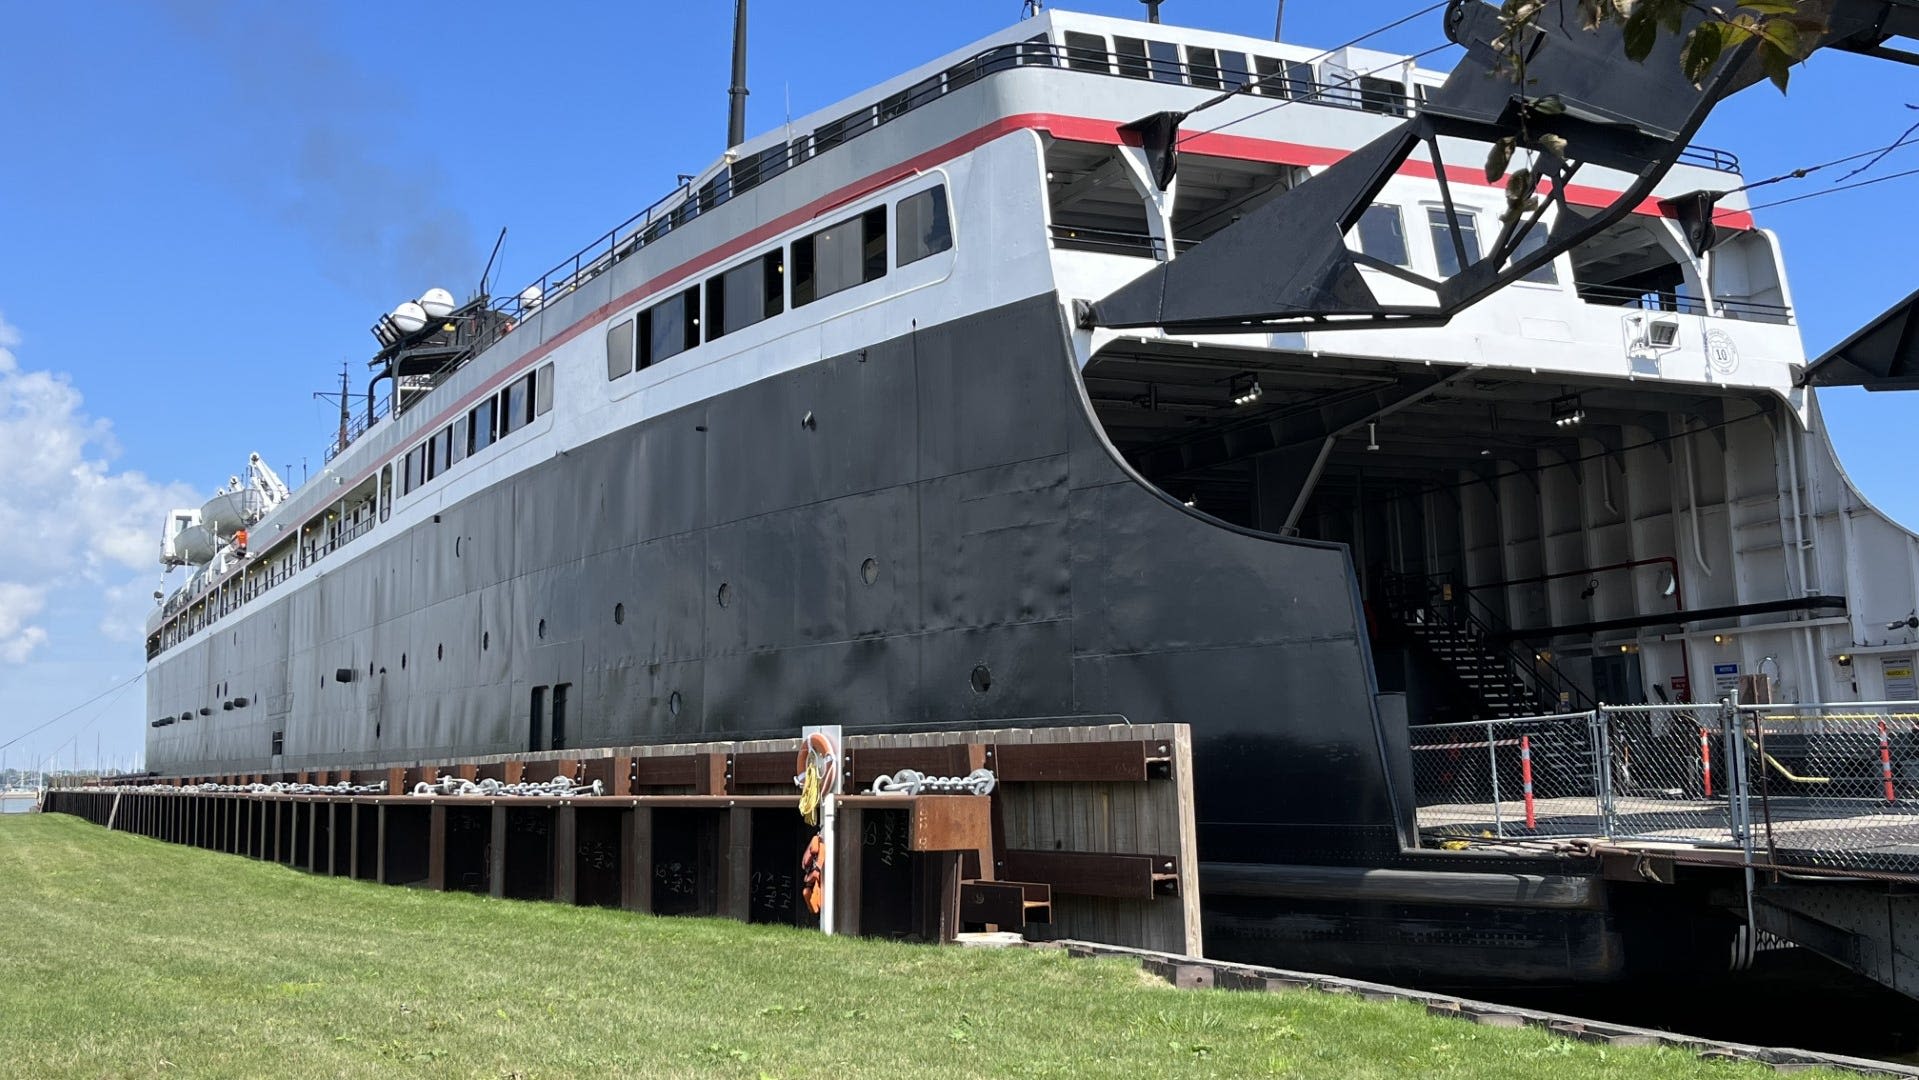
(1496,677)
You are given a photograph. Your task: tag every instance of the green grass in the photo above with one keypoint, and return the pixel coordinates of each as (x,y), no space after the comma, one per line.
(122,956)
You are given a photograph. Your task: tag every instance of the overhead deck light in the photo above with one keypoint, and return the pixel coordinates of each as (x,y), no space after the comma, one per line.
(1567,410)
(1246,389)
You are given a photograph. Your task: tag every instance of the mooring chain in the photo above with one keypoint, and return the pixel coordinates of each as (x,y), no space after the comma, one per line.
(558,787)
(913,782)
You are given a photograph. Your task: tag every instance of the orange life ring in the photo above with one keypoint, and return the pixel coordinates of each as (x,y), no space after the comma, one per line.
(818,743)
(813,874)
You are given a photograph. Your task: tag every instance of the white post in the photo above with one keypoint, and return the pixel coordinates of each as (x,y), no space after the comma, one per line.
(829,840)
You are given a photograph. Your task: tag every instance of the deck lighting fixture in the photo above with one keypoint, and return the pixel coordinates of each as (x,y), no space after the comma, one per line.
(1719,639)
(1567,411)
(1845,659)
(1246,389)
(1191,501)
(1671,585)
(1592,587)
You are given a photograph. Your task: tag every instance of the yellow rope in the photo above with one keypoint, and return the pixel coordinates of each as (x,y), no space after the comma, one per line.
(810,792)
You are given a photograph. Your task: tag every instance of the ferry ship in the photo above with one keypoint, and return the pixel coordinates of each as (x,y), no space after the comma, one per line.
(825,436)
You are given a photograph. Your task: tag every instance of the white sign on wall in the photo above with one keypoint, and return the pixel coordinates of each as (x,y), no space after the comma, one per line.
(1725,679)
(1899,681)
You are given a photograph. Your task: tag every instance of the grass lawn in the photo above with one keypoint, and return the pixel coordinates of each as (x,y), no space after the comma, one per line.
(123,956)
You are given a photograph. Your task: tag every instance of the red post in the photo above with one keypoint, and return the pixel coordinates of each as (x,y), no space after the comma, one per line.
(1526,776)
(1885,761)
(1705,759)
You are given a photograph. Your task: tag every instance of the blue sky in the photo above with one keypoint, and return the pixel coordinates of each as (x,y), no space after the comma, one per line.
(204,205)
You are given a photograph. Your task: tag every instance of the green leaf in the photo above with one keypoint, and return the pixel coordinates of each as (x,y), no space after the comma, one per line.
(1498,157)
(1780,34)
(1550,105)
(1554,145)
(1777,66)
(1702,50)
(1672,14)
(1641,32)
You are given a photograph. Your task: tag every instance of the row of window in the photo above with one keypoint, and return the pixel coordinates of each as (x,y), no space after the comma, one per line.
(844,254)
(1224,69)
(522,401)
(1382,235)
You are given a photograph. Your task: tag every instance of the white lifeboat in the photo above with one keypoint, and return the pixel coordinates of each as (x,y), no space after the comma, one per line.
(195,544)
(232,510)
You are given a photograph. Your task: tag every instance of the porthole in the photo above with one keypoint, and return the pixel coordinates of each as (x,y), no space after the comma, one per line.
(369,669)
(541,629)
(619,614)
(673,703)
(439,651)
(870,571)
(982,679)
(456,546)
(486,639)
(402,661)
(725,595)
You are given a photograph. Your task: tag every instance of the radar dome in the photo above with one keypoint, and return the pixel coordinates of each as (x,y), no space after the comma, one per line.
(409,317)
(437,303)
(530,297)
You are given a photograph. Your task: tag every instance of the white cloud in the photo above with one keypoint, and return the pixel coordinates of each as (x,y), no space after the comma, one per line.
(18,604)
(68,520)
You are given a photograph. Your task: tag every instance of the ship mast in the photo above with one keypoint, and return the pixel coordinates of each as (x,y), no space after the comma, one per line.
(736,94)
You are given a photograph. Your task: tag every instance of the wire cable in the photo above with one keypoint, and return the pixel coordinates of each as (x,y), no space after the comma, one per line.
(43,726)
(53,757)
(1836,190)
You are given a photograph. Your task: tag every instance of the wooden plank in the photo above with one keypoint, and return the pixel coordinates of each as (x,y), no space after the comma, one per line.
(665,770)
(737,875)
(867,763)
(496,852)
(951,823)
(379,852)
(848,826)
(615,774)
(436,848)
(762,768)
(566,853)
(1081,873)
(636,891)
(1076,762)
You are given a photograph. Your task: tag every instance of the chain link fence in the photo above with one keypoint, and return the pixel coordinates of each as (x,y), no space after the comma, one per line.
(1499,779)
(1797,786)
(1836,786)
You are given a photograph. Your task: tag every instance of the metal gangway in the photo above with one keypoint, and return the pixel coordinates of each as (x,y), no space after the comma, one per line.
(1815,805)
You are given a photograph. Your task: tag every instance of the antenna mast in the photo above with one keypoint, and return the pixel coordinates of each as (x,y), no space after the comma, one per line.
(736,94)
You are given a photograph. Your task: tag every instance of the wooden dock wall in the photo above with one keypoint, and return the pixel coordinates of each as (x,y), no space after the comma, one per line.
(1100,819)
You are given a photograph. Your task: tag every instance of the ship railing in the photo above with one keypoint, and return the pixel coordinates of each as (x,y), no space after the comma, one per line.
(1684,304)
(700,193)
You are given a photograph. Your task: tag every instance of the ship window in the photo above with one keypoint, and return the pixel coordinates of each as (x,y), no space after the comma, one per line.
(1086,52)
(458,444)
(839,257)
(1382,95)
(513,407)
(670,327)
(480,426)
(411,479)
(1165,60)
(1204,64)
(543,391)
(1232,70)
(441,453)
(279,742)
(619,349)
(924,228)
(1132,57)
(1443,241)
(1535,239)
(746,294)
(834,132)
(1382,234)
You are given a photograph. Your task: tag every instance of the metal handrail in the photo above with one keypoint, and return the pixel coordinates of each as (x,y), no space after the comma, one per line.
(707,191)
(1490,631)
